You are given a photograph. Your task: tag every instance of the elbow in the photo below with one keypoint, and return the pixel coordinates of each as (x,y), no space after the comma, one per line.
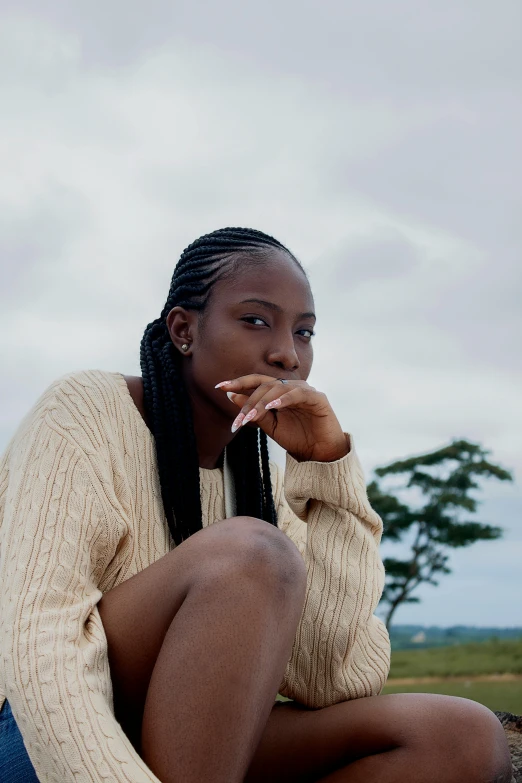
(347,674)
(378,653)
(366,669)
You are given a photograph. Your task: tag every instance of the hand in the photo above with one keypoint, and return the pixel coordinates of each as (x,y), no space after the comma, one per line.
(298,417)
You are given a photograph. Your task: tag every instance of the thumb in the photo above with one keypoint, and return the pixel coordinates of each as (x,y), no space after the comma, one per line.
(237,399)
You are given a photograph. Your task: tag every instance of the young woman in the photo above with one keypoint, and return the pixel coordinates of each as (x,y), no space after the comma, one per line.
(160,587)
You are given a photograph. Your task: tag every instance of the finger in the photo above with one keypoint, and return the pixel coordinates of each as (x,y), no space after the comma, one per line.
(249,382)
(270,390)
(295,397)
(298,397)
(252,407)
(255,409)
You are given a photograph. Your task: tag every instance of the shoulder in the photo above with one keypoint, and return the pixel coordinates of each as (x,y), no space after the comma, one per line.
(91,393)
(88,383)
(80,405)
(135,388)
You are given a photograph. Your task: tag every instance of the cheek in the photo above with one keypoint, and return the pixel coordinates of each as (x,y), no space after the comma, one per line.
(306,358)
(224,343)
(213,356)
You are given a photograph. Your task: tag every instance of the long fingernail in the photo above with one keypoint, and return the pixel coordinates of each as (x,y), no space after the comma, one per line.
(223,383)
(273,404)
(230,395)
(237,422)
(249,417)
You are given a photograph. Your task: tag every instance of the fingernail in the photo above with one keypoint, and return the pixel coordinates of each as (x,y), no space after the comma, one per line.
(273,404)
(237,422)
(249,417)
(223,383)
(230,395)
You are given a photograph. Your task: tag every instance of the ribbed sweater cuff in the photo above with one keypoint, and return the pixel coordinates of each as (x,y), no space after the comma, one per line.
(340,483)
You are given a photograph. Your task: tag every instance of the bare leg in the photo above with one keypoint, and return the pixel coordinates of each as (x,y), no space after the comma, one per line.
(402,738)
(198,643)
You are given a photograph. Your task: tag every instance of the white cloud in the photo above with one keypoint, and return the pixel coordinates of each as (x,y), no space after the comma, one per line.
(118,146)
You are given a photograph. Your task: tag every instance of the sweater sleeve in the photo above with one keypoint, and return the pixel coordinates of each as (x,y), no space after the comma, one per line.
(341,650)
(60,533)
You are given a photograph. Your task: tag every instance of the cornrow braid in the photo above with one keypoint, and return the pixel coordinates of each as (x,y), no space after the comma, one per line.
(167,403)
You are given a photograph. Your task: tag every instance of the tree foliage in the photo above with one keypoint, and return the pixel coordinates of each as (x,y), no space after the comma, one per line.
(442,484)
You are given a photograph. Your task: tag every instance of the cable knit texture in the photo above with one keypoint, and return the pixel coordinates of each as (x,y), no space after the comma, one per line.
(81,512)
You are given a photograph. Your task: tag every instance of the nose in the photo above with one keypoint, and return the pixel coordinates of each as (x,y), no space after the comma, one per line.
(283,355)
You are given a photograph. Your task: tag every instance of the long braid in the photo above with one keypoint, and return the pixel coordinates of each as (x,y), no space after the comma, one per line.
(167,403)
(269,512)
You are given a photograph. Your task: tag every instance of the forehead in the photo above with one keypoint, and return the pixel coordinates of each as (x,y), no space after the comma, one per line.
(274,277)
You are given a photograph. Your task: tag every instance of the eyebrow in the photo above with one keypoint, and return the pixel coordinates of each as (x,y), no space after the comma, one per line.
(274,307)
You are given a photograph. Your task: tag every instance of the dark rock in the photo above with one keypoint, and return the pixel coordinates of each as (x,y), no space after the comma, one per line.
(513,727)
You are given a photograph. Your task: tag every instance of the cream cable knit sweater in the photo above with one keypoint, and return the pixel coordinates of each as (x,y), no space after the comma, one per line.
(80,512)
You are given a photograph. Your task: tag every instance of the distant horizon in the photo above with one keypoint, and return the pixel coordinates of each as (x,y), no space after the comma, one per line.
(460,625)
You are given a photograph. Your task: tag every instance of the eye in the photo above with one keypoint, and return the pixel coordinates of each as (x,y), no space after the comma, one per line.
(307,333)
(254,320)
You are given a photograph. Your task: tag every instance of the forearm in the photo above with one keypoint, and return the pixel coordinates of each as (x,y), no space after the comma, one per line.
(61,698)
(341,649)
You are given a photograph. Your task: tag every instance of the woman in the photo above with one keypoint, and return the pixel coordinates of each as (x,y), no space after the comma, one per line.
(159,588)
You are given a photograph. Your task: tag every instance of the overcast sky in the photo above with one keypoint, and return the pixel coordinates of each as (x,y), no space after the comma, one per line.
(380,141)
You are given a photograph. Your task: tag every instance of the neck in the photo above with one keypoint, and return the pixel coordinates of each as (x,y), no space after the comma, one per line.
(212,431)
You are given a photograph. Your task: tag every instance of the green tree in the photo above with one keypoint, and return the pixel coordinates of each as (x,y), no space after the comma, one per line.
(431,507)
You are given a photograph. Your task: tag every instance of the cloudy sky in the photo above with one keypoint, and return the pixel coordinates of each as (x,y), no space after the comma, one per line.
(378,140)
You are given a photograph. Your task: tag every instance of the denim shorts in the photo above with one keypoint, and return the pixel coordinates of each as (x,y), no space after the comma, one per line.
(15,765)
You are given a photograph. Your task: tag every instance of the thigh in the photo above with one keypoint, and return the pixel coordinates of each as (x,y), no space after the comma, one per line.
(137,614)
(301,745)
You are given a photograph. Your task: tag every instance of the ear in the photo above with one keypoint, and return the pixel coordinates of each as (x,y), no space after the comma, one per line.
(181,324)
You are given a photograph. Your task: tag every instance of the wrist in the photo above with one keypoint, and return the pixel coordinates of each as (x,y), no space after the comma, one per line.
(330,453)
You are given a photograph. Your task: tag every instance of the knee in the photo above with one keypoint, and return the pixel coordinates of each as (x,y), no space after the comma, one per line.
(488,749)
(264,550)
(240,545)
(468,741)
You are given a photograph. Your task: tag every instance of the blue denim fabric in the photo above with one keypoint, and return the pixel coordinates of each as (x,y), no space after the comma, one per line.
(15,765)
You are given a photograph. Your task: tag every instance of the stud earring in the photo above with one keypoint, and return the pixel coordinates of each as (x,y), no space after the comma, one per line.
(185,347)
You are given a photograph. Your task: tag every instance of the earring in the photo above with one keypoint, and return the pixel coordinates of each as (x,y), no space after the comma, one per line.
(185,347)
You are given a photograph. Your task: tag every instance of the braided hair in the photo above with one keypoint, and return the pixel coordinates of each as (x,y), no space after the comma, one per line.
(210,258)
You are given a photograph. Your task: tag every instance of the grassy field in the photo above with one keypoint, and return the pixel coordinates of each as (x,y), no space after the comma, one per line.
(474,671)
(463,660)
(501,696)
(487,672)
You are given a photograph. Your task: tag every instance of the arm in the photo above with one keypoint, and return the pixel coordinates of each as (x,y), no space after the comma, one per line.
(341,650)
(59,534)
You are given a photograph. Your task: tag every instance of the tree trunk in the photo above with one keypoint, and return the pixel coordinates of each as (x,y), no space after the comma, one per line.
(393,607)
